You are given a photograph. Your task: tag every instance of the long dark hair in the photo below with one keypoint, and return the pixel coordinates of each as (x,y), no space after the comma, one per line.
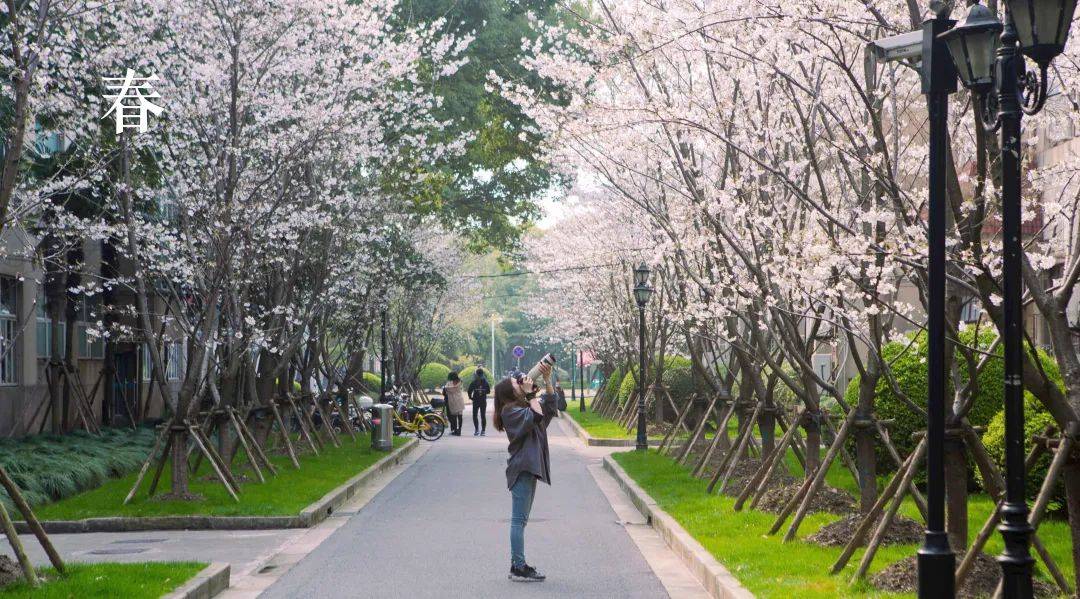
(504,396)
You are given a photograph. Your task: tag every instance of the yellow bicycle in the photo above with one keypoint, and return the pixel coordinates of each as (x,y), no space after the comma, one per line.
(422,420)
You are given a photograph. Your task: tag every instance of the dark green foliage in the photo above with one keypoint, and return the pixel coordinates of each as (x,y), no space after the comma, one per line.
(467,375)
(680,380)
(433,375)
(487,191)
(613,382)
(1036,419)
(372,383)
(50,467)
(629,383)
(909,369)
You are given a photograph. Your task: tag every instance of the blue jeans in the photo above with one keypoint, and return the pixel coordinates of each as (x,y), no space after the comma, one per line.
(521,495)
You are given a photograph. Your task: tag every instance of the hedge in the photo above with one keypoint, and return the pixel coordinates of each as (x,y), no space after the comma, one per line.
(677,377)
(909,369)
(1036,419)
(467,375)
(371,382)
(51,467)
(433,375)
(613,383)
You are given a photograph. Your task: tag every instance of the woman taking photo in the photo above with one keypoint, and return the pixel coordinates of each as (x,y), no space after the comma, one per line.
(524,417)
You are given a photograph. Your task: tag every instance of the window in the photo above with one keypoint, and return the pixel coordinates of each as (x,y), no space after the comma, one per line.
(89,346)
(174,361)
(146,362)
(44,332)
(971,311)
(8,332)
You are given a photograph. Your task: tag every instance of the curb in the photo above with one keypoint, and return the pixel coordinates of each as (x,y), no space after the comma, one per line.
(712,575)
(308,517)
(206,584)
(604,442)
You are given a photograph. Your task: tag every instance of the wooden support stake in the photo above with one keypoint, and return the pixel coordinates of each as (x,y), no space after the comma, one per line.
(145,467)
(251,457)
(17,547)
(31,520)
(886,520)
(681,416)
(221,475)
(819,476)
(871,517)
(734,456)
(760,482)
(285,435)
(698,431)
(212,454)
(252,441)
(721,431)
(303,426)
(161,462)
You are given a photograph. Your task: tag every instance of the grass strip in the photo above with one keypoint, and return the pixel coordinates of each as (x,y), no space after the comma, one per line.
(770,568)
(147,580)
(286,494)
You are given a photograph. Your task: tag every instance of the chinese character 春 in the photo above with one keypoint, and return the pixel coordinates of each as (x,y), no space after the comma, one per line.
(131,100)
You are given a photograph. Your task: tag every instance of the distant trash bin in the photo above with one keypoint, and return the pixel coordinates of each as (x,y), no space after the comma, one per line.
(382,430)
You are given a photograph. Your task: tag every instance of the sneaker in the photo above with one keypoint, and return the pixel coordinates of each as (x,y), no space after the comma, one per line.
(476,433)
(525,573)
(483,433)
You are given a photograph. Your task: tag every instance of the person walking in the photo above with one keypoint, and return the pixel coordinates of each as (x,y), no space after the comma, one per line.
(525,418)
(478,392)
(454,392)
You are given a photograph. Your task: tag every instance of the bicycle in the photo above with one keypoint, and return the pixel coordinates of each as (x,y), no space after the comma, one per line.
(424,421)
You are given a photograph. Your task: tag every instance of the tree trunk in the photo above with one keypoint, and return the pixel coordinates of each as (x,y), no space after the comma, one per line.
(956,493)
(179,462)
(812,426)
(1071,476)
(865,458)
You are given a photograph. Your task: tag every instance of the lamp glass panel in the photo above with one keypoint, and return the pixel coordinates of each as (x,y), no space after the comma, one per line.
(642,293)
(981,49)
(1023,16)
(1063,20)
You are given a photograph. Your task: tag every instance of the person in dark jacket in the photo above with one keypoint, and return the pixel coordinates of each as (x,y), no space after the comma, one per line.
(478,392)
(525,418)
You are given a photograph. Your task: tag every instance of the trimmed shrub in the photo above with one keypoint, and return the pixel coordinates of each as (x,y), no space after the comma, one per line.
(613,383)
(371,383)
(51,467)
(1036,419)
(467,375)
(433,375)
(629,383)
(909,370)
(680,381)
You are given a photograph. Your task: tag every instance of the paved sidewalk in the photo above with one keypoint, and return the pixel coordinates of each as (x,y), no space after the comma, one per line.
(242,549)
(440,529)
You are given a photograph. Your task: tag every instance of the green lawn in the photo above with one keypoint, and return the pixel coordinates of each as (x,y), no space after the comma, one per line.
(89,581)
(284,495)
(598,426)
(769,568)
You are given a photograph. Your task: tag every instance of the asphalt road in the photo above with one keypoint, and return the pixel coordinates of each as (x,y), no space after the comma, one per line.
(441,529)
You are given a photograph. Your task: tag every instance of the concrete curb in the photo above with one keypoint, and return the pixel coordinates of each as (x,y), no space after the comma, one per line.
(602,442)
(716,579)
(308,517)
(206,584)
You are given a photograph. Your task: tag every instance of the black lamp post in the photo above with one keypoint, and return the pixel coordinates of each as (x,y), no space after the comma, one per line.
(642,291)
(382,361)
(581,378)
(1037,29)
(936,561)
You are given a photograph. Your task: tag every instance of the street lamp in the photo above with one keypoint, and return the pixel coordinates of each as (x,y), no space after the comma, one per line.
(642,292)
(1037,29)
(581,379)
